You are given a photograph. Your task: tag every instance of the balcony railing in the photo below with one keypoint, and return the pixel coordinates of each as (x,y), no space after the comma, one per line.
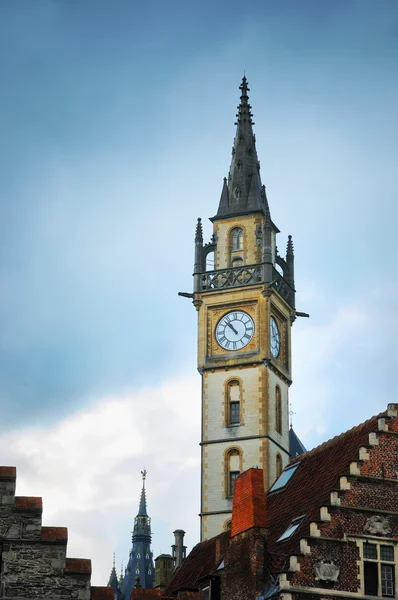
(242,276)
(227,278)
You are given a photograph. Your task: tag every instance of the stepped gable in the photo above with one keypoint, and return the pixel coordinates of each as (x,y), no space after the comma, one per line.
(317,475)
(34,561)
(203,560)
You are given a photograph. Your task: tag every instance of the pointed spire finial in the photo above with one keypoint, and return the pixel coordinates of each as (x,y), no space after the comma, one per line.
(289,248)
(143,474)
(114,560)
(199,231)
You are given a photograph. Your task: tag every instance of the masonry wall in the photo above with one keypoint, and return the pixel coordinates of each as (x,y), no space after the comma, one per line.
(33,558)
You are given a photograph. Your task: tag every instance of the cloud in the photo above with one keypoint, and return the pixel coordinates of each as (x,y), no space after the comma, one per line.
(87,469)
(344,364)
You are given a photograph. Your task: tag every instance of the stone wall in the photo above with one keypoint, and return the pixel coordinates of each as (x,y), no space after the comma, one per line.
(33,558)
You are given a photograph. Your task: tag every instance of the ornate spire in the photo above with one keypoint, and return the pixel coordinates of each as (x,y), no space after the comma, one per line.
(242,192)
(140,559)
(142,508)
(113,580)
(199,231)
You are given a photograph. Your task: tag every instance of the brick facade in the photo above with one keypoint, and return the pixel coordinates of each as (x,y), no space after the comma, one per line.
(342,497)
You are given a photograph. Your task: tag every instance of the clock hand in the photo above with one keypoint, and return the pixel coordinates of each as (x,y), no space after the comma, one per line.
(233,328)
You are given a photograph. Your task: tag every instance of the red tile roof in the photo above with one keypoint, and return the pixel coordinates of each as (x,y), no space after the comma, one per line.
(317,475)
(310,487)
(200,562)
(145,593)
(102,593)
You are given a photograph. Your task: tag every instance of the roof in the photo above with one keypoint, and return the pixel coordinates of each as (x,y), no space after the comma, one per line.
(317,475)
(145,593)
(200,562)
(101,593)
(296,447)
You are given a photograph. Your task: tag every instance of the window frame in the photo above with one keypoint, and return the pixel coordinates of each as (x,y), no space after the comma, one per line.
(232,477)
(380,563)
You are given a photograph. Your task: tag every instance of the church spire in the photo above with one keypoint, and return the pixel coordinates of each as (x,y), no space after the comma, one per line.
(140,560)
(242,191)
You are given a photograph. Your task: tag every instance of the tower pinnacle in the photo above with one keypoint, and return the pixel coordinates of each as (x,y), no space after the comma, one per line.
(242,191)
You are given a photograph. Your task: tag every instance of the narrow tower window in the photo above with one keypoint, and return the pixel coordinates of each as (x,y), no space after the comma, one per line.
(233,464)
(236,239)
(278,409)
(233,393)
(279,467)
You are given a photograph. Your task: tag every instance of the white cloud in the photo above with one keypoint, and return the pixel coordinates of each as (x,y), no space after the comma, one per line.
(87,469)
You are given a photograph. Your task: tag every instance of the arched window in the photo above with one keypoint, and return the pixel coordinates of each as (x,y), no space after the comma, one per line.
(228,525)
(233,402)
(236,239)
(233,464)
(278,409)
(279,467)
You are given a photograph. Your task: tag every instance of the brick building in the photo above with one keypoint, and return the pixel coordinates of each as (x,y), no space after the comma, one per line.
(327,528)
(33,558)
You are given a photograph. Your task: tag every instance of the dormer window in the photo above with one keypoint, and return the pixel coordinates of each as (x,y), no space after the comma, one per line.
(294,525)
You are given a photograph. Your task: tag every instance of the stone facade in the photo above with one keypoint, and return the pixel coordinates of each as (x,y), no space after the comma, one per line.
(33,558)
(244,278)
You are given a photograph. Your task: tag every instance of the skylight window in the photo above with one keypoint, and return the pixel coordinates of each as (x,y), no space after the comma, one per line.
(285,477)
(295,524)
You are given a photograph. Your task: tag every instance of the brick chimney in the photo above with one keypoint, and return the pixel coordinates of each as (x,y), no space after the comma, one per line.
(248,505)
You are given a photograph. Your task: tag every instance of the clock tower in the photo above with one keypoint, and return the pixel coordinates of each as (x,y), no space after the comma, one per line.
(245,302)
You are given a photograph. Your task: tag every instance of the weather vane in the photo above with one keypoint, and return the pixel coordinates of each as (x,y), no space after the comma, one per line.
(143,473)
(291,413)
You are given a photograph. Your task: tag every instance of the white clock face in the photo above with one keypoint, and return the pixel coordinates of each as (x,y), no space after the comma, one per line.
(234,330)
(275,342)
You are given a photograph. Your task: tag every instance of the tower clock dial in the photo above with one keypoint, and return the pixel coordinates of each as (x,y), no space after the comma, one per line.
(275,342)
(234,330)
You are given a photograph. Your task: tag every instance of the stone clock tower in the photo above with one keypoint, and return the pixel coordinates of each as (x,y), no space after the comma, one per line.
(245,304)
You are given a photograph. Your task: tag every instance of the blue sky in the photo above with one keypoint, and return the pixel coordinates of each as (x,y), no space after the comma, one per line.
(117,122)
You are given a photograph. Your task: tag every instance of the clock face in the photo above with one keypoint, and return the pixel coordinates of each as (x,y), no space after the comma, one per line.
(234,330)
(275,343)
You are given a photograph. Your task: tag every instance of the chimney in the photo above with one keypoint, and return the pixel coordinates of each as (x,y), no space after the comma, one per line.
(248,505)
(178,549)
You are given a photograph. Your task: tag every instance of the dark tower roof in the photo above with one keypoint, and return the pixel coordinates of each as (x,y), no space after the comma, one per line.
(113,580)
(242,192)
(140,562)
(296,447)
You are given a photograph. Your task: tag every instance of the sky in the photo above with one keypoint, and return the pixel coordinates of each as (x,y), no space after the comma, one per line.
(117,122)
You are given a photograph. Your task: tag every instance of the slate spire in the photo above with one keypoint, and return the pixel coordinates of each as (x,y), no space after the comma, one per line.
(140,560)
(113,580)
(242,192)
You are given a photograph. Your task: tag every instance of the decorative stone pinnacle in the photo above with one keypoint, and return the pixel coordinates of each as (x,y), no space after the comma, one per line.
(199,231)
